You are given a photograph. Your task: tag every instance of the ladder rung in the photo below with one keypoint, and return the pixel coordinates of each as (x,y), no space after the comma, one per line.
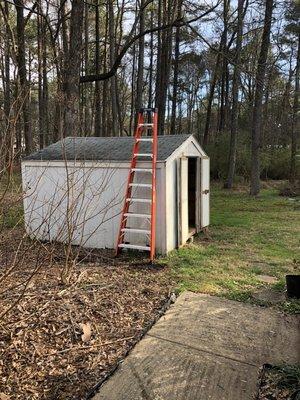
(146,125)
(144,139)
(139,200)
(134,246)
(144,185)
(135,230)
(143,155)
(142,170)
(144,216)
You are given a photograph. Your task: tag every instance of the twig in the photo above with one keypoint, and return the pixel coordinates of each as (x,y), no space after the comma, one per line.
(87,347)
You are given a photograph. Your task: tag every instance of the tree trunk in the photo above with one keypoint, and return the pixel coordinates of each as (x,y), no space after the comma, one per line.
(72,120)
(213,83)
(7,138)
(222,114)
(163,65)
(45,85)
(87,89)
(140,72)
(97,69)
(175,73)
(24,87)
(113,79)
(42,82)
(235,98)
(257,109)
(105,97)
(295,121)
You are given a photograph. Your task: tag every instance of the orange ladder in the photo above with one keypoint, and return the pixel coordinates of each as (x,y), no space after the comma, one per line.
(149,127)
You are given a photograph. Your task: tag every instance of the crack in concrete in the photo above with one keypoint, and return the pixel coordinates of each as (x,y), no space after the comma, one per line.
(204,351)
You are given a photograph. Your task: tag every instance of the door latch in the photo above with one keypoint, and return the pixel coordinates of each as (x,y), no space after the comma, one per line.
(206,191)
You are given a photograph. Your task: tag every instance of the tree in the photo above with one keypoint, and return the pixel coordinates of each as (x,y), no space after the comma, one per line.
(175,72)
(257,108)
(72,122)
(235,98)
(295,119)
(22,73)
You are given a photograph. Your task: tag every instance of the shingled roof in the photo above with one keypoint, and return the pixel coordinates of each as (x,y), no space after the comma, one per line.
(105,148)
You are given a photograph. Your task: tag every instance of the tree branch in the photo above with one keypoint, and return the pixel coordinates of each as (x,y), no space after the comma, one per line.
(179,22)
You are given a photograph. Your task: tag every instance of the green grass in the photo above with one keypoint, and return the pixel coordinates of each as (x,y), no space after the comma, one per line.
(248,237)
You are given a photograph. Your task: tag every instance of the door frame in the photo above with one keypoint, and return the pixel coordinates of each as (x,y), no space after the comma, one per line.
(207,192)
(183,236)
(182,199)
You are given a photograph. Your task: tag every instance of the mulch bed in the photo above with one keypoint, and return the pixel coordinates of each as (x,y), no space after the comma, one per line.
(60,340)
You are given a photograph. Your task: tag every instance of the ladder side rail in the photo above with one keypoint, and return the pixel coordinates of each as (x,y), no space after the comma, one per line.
(129,181)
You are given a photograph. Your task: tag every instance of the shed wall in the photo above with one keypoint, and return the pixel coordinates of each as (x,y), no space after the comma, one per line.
(82,202)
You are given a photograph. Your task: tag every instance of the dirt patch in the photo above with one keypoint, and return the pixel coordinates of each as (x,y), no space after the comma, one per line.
(269,296)
(280,383)
(59,340)
(267,279)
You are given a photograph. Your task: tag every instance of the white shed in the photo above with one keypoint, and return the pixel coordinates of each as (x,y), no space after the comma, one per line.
(74,190)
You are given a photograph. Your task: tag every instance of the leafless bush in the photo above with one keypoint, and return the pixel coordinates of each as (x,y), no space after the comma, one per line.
(69,204)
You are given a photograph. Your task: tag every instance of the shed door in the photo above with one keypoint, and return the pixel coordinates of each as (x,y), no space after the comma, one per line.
(182,200)
(204,212)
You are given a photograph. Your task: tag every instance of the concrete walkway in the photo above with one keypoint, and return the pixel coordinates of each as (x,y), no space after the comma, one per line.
(205,348)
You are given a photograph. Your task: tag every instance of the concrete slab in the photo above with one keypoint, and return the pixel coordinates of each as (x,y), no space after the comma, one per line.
(240,331)
(178,373)
(205,348)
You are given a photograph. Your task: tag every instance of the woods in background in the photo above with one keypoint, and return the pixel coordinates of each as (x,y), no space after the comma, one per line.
(226,71)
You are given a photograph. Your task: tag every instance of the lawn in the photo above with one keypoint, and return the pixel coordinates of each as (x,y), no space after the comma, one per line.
(248,237)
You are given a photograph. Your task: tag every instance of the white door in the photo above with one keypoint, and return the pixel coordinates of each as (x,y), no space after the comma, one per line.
(204,203)
(182,200)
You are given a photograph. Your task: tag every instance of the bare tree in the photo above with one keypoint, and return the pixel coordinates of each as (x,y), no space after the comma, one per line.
(235,98)
(71,89)
(257,108)
(22,73)
(295,120)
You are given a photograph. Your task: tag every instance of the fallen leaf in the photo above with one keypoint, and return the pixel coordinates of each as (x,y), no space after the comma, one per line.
(4,396)
(87,332)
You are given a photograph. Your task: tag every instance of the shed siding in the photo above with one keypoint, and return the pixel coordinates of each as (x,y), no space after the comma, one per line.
(82,202)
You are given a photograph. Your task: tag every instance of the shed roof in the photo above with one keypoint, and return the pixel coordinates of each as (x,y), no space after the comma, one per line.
(105,148)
